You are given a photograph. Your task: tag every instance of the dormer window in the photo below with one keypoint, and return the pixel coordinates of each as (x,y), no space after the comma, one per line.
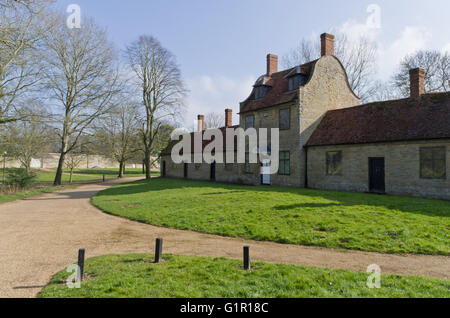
(296,78)
(294,82)
(260,91)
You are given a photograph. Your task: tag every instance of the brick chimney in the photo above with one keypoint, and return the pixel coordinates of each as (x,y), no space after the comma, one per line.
(272,63)
(327,44)
(417,82)
(228,118)
(201,123)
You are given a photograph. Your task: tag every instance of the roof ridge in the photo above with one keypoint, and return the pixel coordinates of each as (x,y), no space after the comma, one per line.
(293,67)
(404,119)
(382,102)
(310,62)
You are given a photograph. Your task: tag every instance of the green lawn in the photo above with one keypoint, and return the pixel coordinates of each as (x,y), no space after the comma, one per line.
(49,177)
(195,277)
(358,221)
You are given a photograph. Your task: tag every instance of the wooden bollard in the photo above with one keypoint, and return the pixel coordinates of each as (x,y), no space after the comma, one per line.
(246,258)
(81,254)
(158,249)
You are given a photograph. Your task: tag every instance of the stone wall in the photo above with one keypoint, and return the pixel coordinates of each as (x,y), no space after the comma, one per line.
(50,161)
(289,141)
(402,169)
(327,89)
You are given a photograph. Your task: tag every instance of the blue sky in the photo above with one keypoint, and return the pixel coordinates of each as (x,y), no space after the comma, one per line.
(221,45)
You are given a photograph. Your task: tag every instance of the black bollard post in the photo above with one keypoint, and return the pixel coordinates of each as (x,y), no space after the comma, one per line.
(158,250)
(246,258)
(81,254)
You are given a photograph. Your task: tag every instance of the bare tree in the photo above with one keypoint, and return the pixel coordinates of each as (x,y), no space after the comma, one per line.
(384,91)
(437,71)
(81,78)
(214,120)
(88,147)
(117,134)
(72,162)
(160,143)
(358,58)
(26,139)
(158,79)
(306,51)
(21,29)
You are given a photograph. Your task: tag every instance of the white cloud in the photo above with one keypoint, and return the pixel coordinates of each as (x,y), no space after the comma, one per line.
(215,94)
(411,39)
(355,30)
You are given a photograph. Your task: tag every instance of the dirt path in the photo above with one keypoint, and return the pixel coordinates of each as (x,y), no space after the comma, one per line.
(40,236)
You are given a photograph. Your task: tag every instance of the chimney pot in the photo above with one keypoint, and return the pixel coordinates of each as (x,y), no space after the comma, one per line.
(417,82)
(228,118)
(272,63)
(201,123)
(327,44)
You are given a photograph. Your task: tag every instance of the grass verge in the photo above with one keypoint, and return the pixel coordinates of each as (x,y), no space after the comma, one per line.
(135,276)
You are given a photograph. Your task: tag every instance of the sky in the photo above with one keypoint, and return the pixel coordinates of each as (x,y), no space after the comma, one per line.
(221,45)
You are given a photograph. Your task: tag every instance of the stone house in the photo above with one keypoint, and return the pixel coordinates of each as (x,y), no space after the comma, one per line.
(329,141)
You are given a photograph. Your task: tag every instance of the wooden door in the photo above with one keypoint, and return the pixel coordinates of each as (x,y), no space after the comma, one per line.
(376,175)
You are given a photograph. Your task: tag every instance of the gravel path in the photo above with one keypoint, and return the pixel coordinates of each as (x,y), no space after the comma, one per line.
(40,236)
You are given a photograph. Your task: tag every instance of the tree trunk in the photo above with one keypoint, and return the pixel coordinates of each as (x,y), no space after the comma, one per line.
(62,157)
(147,165)
(59,170)
(143,166)
(70,178)
(120,169)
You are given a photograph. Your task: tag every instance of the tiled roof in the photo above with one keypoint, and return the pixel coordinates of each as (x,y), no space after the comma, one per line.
(427,117)
(168,149)
(278,93)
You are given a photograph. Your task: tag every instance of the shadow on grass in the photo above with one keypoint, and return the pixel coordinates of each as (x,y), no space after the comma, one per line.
(304,205)
(219,193)
(427,207)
